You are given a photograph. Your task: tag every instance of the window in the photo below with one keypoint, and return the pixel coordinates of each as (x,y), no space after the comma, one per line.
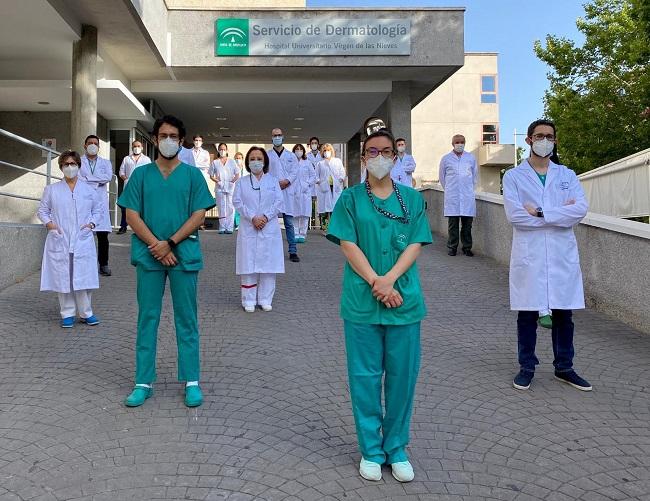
(490,134)
(488,89)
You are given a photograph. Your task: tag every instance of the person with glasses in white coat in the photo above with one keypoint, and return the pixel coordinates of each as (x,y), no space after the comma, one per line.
(224,172)
(304,187)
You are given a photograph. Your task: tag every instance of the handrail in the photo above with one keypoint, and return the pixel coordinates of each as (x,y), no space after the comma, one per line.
(23,140)
(30,170)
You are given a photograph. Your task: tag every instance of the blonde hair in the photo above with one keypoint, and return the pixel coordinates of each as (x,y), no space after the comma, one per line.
(328,146)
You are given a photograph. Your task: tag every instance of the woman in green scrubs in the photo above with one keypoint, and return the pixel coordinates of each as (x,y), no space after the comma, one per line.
(165,204)
(381,228)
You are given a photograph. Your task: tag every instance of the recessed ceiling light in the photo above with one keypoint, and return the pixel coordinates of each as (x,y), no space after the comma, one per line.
(224,128)
(297,128)
(294,137)
(222,118)
(43,102)
(218,107)
(299,118)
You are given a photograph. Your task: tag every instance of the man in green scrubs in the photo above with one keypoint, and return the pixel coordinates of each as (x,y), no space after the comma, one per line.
(165,204)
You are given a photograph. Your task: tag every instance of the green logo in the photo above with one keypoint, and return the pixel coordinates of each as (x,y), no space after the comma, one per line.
(231,37)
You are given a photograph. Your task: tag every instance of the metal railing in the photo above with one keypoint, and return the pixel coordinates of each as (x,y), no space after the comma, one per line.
(51,154)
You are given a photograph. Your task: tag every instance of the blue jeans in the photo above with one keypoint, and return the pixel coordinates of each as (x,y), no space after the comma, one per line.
(561,335)
(291,235)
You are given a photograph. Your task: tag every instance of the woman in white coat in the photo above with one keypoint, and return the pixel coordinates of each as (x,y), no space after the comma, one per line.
(330,179)
(224,172)
(543,202)
(259,254)
(302,192)
(69,210)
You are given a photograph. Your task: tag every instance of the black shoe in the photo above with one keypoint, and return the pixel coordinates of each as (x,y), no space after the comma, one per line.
(451,253)
(294,258)
(468,253)
(105,270)
(571,378)
(121,231)
(523,379)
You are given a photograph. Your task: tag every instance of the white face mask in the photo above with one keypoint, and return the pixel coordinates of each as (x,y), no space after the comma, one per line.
(327,154)
(459,147)
(543,148)
(277,140)
(198,144)
(379,166)
(137,150)
(70,171)
(299,154)
(92,149)
(239,161)
(314,147)
(223,153)
(256,166)
(168,148)
(401,149)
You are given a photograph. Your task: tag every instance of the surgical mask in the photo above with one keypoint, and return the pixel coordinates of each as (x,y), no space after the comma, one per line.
(223,153)
(169,148)
(379,166)
(256,166)
(314,147)
(401,149)
(137,150)
(70,171)
(459,147)
(197,144)
(543,148)
(239,161)
(299,154)
(278,140)
(92,149)
(327,154)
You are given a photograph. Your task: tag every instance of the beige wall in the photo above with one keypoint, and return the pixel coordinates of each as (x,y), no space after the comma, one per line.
(455,108)
(234,4)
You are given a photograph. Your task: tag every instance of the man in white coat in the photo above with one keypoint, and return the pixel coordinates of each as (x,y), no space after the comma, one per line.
(201,158)
(97,172)
(129,164)
(459,176)
(284,167)
(543,202)
(402,171)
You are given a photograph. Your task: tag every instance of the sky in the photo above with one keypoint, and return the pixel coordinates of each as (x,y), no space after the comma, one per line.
(508,27)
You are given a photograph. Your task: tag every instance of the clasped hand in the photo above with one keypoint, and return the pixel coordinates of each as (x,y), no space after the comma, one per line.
(533,210)
(162,252)
(383,290)
(260,222)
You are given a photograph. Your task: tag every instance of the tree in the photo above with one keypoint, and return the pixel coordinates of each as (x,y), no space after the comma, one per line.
(599,94)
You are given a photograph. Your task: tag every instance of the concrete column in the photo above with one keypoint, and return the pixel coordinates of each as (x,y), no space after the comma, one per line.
(399,111)
(353,159)
(83,119)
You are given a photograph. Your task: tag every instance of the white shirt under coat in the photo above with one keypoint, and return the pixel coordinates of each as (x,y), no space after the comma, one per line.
(458,176)
(69,210)
(226,173)
(282,167)
(402,171)
(258,251)
(97,174)
(130,163)
(544,262)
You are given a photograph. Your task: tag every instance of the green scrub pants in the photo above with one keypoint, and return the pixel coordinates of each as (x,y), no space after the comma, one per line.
(372,351)
(151,288)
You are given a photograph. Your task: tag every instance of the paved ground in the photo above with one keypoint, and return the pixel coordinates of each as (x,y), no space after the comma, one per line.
(277,423)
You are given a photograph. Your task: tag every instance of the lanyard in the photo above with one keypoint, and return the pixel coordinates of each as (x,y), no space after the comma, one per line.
(92,164)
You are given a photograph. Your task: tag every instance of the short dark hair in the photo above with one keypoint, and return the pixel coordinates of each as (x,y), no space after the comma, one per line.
(304,151)
(169,120)
(312,138)
(197,136)
(68,154)
(264,154)
(222,144)
(399,139)
(91,136)
(379,133)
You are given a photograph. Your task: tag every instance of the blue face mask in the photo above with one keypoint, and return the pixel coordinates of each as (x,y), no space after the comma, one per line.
(278,140)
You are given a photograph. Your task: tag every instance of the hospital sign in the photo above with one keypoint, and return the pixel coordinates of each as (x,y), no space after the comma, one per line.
(318,36)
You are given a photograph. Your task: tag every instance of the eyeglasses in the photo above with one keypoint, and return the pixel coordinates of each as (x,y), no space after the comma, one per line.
(374,152)
(69,164)
(539,137)
(174,137)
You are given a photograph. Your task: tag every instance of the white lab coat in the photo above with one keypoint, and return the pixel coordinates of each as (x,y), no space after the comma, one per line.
(186,156)
(258,251)
(313,160)
(129,164)
(69,210)
(327,198)
(98,178)
(544,262)
(459,177)
(285,167)
(304,187)
(402,171)
(226,173)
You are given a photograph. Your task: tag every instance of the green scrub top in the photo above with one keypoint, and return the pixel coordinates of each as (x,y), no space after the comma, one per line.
(382,240)
(165,205)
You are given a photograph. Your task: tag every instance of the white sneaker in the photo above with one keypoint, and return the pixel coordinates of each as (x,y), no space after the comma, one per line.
(370,470)
(267,307)
(249,309)
(402,471)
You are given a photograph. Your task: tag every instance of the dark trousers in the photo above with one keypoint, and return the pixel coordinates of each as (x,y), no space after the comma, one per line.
(561,335)
(465,232)
(102,247)
(123,220)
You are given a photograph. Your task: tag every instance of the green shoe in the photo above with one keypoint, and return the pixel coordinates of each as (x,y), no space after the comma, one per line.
(138,396)
(546,321)
(193,396)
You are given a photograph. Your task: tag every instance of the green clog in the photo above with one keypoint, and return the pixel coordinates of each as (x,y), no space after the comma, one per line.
(138,396)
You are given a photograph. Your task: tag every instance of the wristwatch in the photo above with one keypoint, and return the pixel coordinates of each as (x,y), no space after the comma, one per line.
(171,243)
(92,225)
(540,212)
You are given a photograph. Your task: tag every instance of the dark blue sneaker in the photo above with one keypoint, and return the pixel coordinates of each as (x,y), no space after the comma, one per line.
(523,379)
(91,320)
(67,323)
(571,378)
